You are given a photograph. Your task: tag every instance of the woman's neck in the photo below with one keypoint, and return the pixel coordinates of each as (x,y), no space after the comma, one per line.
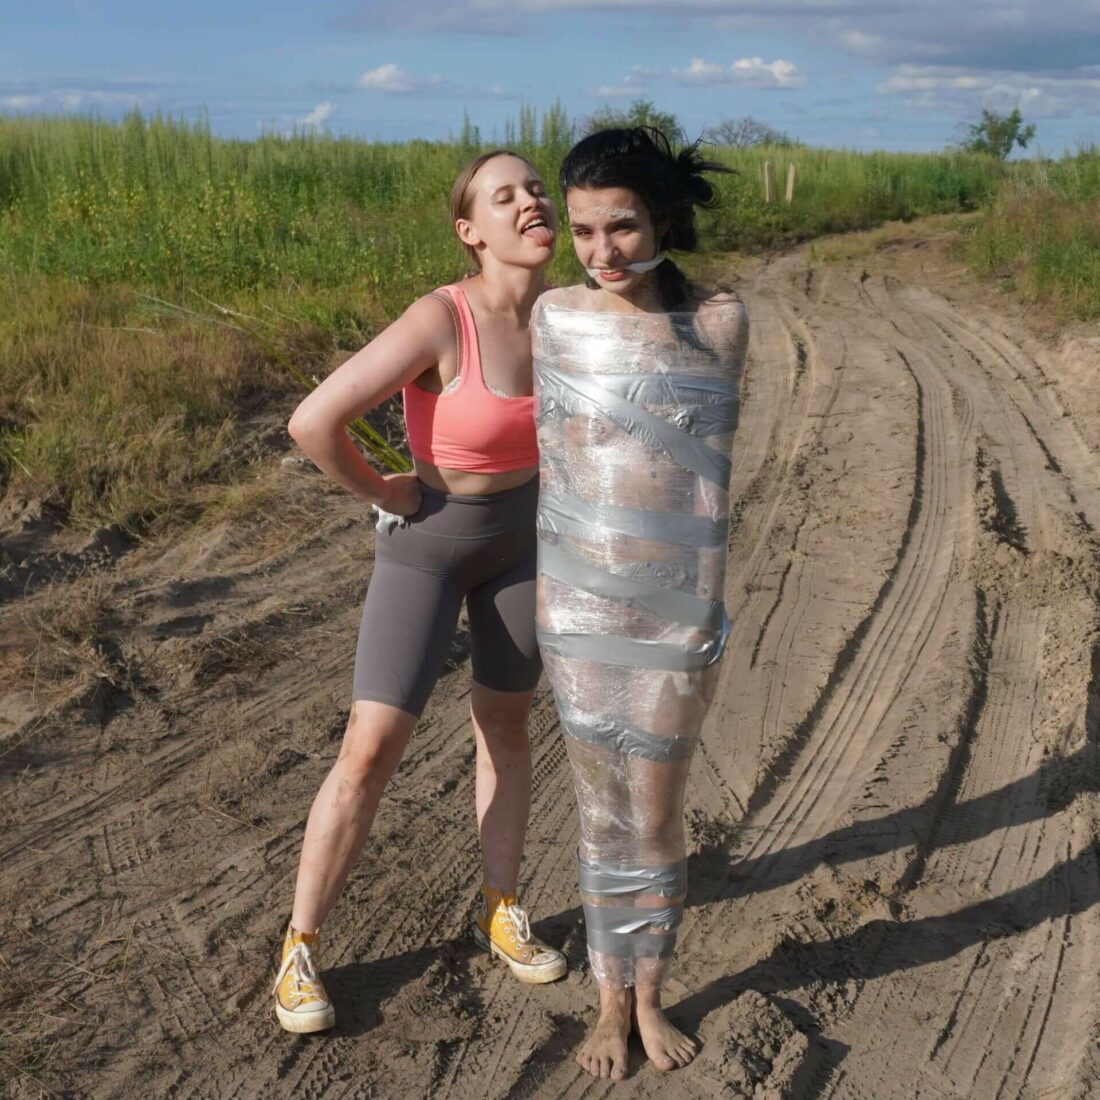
(642,298)
(509,290)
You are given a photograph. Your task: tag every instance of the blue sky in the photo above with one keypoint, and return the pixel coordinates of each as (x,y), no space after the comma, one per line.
(853,73)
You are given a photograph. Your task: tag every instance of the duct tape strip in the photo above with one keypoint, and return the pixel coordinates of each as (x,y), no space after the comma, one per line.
(603,879)
(625,740)
(612,649)
(573,515)
(671,389)
(626,919)
(711,465)
(632,945)
(667,603)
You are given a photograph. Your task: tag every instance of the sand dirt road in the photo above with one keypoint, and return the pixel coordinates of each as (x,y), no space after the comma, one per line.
(894,815)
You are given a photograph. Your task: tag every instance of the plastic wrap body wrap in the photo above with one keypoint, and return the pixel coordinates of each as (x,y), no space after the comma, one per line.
(636,415)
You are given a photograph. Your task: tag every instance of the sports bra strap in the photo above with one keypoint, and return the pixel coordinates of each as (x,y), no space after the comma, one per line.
(444,295)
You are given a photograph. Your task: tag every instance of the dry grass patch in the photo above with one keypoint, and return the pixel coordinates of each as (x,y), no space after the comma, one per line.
(50,638)
(854,246)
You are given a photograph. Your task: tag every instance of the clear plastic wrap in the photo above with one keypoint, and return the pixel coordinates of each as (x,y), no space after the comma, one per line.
(636,415)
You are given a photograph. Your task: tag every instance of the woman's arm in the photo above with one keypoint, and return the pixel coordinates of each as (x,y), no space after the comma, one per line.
(406,349)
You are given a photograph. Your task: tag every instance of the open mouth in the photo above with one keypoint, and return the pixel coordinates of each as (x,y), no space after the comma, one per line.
(538,231)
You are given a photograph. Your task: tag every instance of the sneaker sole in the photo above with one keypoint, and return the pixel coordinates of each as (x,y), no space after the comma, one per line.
(304,1023)
(531,973)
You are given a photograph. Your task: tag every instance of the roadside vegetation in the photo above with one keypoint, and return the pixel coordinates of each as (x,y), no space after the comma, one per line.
(1041,235)
(132,253)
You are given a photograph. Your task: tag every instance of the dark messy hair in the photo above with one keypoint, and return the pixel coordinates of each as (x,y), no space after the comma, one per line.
(670,182)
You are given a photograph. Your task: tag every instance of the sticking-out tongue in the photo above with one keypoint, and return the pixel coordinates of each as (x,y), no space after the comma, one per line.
(540,234)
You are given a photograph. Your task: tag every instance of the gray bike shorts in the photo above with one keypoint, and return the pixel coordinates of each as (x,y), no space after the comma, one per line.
(480,549)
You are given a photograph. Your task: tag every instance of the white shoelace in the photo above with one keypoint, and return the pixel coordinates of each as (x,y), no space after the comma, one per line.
(299,960)
(518,916)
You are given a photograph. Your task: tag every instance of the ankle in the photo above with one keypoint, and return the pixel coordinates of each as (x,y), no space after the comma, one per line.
(616,998)
(298,933)
(648,998)
(496,895)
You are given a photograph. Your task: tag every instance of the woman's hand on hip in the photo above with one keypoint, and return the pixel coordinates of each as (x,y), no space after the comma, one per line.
(402,496)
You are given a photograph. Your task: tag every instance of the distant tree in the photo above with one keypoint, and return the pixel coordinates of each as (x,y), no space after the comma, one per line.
(557,131)
(470,137)
(740,133)
(528,127)
(998,134)
(640,113)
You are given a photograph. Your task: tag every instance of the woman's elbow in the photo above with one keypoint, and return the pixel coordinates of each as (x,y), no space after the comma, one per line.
(302,426)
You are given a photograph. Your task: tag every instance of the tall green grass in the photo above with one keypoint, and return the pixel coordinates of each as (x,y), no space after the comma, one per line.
(841,191)
(1042,232)
(114,409)
(166,204)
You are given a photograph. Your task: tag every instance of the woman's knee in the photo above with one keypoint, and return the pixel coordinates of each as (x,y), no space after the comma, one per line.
(502,718)
(375,740)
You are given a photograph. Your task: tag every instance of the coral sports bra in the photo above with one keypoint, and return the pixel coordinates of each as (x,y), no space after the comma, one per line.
(469,427)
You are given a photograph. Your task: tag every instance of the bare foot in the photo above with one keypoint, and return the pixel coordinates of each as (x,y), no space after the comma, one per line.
(667,1047)
(603,1053)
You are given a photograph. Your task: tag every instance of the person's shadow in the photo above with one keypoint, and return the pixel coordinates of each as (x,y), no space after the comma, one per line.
(876,949)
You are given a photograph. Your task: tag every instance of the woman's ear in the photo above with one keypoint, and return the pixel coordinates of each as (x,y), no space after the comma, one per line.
(467,234)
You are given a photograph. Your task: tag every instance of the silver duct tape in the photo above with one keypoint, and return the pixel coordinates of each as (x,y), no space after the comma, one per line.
(627,919)
(666,603)
(608,342)
(567,514)
(627,740)
(710,408)
(633,945)
(612,649)
(672,389)
(603,878)
(579,394)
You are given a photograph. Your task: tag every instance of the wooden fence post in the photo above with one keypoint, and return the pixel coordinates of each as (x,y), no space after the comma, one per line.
(790,183)
(769,182)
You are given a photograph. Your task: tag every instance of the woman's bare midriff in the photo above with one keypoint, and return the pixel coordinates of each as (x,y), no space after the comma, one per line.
(470,483)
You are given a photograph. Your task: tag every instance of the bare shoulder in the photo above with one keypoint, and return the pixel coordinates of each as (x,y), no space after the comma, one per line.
(566,297)
(721,313)
(428,322)
(710,299)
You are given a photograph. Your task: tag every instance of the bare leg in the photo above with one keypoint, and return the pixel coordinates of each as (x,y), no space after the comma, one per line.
(503,780)
(603,1053)
(667,1047)
(343,811)
(657,796)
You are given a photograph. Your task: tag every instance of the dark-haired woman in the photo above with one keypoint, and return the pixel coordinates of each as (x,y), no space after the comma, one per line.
(637,374)
(460,528)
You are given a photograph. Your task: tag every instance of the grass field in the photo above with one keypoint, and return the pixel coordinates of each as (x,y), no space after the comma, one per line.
(1042,230)
(115,407)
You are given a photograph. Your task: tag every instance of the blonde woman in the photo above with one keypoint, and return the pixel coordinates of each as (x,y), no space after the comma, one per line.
(460,528)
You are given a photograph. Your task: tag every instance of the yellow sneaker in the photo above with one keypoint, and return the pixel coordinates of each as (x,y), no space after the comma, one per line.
(503,930)
(301,1002)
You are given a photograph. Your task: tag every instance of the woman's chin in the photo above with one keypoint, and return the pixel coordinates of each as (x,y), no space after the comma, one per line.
(618,284)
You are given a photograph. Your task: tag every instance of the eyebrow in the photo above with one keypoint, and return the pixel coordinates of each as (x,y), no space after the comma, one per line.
(617,212)
(529,183)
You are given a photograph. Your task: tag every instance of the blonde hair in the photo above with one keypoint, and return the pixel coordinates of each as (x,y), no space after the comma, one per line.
(462,199)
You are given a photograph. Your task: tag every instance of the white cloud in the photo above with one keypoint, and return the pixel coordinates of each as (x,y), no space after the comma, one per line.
(21,102)
(394,80)
(751,72)
(961,92)
(630,85)
(318,116)
(72,99)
